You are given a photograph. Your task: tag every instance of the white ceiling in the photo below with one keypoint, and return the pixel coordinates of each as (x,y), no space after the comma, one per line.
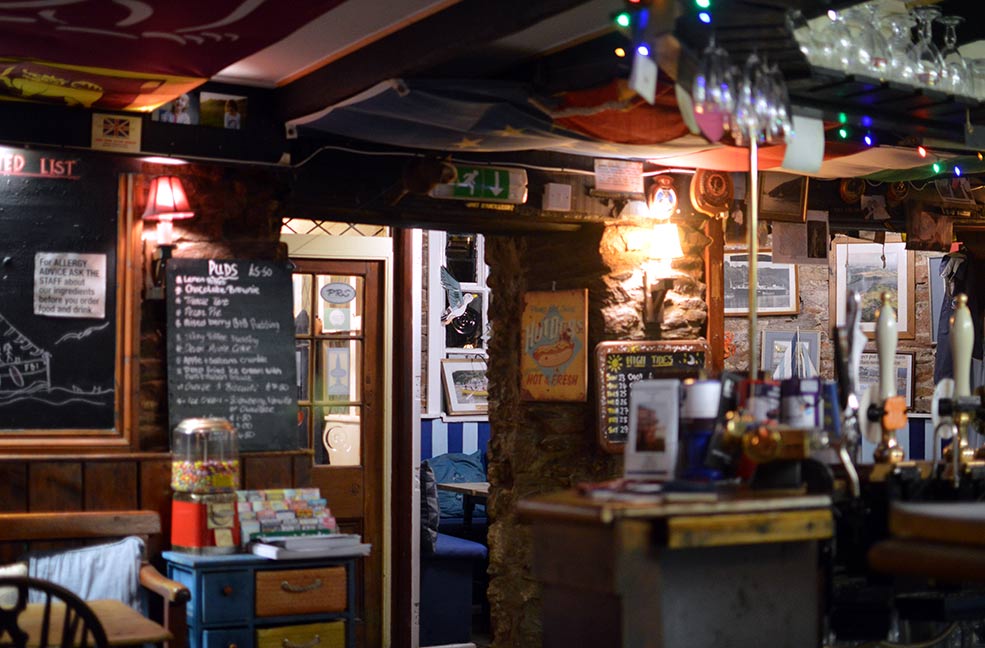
(341,31)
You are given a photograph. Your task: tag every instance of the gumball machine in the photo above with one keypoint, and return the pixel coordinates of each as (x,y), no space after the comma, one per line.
(204,478)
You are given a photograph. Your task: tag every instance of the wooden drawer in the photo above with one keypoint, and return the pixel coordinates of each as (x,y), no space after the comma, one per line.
(226,638)
(310,635)
(224,596)
(300,591)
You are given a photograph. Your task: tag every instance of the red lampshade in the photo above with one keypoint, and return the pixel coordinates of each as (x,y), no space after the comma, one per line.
(166,200)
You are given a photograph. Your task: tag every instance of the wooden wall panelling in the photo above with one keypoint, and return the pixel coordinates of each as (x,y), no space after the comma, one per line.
(155,495)
(55,486)
(13,499)
(13,494)
(110,485)
(302,471)
(267,472)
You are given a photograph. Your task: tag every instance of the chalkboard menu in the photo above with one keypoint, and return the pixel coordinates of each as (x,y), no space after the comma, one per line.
(59,343)
(231,348)
(619,364)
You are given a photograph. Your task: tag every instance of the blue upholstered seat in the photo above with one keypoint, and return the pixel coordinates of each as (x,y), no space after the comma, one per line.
(446,590)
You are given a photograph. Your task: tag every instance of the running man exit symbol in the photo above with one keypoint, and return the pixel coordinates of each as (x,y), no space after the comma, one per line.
(484,183)
(477,182)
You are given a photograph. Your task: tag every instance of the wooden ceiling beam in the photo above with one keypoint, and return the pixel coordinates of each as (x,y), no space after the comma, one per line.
(425,44)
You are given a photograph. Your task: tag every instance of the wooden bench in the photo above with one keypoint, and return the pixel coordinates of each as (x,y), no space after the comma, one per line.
(71,529)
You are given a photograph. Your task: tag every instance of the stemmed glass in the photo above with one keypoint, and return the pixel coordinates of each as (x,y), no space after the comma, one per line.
(955,68)
(926,58)
(898,46)
(835,43)
(872,50)
(713,91)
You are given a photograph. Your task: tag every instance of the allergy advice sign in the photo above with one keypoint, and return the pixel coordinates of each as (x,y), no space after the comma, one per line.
(67,284)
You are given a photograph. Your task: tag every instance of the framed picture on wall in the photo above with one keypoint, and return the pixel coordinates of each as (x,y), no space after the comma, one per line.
(776,292)
(777,352)
(466,386)
(869,374)
(782,197)
(872,269)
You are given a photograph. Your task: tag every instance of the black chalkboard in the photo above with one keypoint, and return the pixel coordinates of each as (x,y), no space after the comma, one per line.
(231,349)
(619,364)
(59,233)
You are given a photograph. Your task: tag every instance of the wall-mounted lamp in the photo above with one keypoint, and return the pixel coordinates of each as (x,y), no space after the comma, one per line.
(166,203)
(664,247)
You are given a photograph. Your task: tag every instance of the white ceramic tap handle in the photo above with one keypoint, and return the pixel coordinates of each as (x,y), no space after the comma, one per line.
(886,338)
(962,337)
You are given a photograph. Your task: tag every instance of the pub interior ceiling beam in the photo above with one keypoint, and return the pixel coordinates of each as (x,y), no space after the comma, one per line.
(430,42)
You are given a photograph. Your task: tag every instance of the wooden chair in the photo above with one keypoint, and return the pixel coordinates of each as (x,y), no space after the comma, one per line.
(68,529)
(62,620)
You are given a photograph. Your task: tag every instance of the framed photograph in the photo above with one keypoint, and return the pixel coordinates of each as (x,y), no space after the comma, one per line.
(871,269)
(777,352)
(776,293)
(782,197)
(222,110)
(651,449)
(869,374)
(466,386)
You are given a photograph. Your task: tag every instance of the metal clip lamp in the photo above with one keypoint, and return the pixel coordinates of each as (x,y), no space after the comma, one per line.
(166,203)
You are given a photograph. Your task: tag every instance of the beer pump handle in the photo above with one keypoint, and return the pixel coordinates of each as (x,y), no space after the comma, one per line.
(855,338)
(886,339)
(962,337)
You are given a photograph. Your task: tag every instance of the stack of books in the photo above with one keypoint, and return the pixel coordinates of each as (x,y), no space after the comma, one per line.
(288,546)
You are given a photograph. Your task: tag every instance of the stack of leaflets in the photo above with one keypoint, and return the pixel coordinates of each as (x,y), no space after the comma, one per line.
(284,546)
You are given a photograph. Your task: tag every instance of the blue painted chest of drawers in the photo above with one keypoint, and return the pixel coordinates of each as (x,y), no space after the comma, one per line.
(243,601)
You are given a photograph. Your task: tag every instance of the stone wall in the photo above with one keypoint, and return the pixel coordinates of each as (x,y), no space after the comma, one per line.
(542,447)
(813,287)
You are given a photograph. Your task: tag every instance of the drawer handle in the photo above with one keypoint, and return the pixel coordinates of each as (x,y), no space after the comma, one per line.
(298,589)
(287,643)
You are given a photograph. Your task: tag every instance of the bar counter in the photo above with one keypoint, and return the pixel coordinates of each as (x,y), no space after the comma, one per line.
(732,570)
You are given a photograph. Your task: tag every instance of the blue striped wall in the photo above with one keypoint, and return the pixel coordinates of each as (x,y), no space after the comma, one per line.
(439,437)
(917,441)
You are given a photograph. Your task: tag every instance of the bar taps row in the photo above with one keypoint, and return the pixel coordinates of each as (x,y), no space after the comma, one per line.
(880,413)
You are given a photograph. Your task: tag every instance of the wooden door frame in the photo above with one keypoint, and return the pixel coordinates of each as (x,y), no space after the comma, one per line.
(370,249)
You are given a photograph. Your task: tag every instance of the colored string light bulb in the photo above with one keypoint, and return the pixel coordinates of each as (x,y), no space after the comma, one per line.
(624,19)
(921,151)
(704,17)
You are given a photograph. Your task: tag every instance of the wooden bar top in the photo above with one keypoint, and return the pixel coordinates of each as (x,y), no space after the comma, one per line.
(572,506)
(960,523)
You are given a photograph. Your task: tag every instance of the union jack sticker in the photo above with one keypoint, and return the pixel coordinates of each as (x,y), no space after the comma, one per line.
(116,127)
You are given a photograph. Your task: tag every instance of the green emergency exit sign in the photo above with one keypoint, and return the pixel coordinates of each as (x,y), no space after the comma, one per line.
(485,183)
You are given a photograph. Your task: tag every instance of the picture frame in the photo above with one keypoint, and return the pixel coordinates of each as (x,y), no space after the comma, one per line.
(905,365)
(782,197)
(554,343)
(776,294)
(859,265)
(776,343)
(466,386)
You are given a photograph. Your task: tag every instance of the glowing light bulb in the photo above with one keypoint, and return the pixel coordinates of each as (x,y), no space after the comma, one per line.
(921,151)
(704,17)
(643,50)
(620,52)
